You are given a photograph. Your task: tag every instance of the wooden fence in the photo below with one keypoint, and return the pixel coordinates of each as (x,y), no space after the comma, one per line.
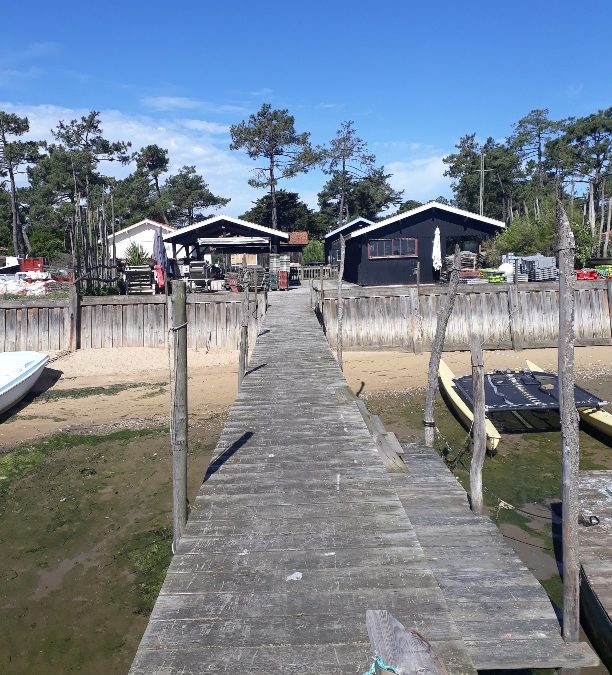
(307,273)
(125,321)
(508,316)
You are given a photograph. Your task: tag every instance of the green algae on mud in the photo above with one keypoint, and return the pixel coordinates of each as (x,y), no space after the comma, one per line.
(18,462)
(85,392)
(84,546)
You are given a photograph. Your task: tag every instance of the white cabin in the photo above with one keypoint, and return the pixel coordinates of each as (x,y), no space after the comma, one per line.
(141,233)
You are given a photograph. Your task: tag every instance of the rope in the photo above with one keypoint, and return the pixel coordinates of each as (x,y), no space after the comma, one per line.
(453,462)
(377,665)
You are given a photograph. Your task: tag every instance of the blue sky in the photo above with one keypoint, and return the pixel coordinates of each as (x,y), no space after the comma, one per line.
(414,77)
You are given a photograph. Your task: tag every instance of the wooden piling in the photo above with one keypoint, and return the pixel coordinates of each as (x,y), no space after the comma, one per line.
(178,410)
(340,312)
(436,350)
(516,332)
(244,338)
(570,449)
(479,433)
(416,328)
(74,310)
(256,292)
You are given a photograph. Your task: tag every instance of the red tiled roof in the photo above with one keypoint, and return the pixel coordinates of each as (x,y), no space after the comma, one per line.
(298,238)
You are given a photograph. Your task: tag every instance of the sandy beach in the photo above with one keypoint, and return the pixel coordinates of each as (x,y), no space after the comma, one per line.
(127,388)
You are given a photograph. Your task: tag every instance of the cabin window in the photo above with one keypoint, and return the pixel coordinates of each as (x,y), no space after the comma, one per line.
(400,247)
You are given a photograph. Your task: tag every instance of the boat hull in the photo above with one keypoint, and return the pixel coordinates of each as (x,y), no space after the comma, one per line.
(13,390)
(593,418)
(460,407)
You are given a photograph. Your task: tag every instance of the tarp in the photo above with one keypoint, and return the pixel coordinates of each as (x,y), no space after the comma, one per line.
(523,390)
(437,251)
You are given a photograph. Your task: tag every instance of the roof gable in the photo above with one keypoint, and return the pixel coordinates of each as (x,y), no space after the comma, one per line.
(351,224)
(147,221)
(422,209)
(203,224)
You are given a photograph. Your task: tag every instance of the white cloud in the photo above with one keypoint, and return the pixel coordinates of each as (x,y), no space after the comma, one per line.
(207,127)
(197,144)
(264,92)
(421,178)
(170,103)
(10,76)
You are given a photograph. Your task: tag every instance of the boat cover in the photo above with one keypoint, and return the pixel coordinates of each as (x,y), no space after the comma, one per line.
(523,390)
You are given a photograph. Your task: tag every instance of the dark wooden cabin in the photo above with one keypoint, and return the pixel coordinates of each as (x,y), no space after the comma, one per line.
(231,237)
(386,253)
(332,239)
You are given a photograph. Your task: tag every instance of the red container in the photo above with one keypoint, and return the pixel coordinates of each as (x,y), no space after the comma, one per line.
(587,275)
(31,265)
(283,280)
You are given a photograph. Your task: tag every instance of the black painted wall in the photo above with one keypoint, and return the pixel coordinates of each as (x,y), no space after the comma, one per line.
(400,271)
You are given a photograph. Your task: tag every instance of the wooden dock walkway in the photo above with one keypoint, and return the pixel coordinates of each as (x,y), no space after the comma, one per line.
(503,614)
(298,530)
(596,561)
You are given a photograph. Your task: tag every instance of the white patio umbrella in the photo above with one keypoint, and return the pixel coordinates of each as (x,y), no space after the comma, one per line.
(437,251)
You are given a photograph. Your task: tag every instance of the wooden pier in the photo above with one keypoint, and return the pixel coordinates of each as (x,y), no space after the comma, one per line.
(503,614)
(298,530)
(596,560)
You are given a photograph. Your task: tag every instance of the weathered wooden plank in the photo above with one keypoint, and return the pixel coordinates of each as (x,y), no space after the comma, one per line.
(97,325)
(296,526)
(32,328)
(479,574)
(408,652)
(10,330)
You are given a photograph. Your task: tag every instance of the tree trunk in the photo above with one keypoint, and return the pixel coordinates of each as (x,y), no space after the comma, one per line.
(18,241)
(273,195)
(342,195)
(569,428)
(159,196)
(340,303)
(602,215)
(591,209)
(437,347)
(609,224)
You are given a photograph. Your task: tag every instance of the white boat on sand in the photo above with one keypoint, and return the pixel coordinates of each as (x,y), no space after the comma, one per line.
(19,372)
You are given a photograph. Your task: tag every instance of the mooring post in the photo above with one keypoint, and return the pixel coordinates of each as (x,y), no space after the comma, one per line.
(244,337)
(570,449)
(178,407)
(322,293)
(311,293)
(340,311)
(479,433)
(437,348)
(256,292)
(74,312)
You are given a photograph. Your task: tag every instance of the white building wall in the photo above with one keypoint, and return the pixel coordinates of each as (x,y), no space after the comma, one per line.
(142,235)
